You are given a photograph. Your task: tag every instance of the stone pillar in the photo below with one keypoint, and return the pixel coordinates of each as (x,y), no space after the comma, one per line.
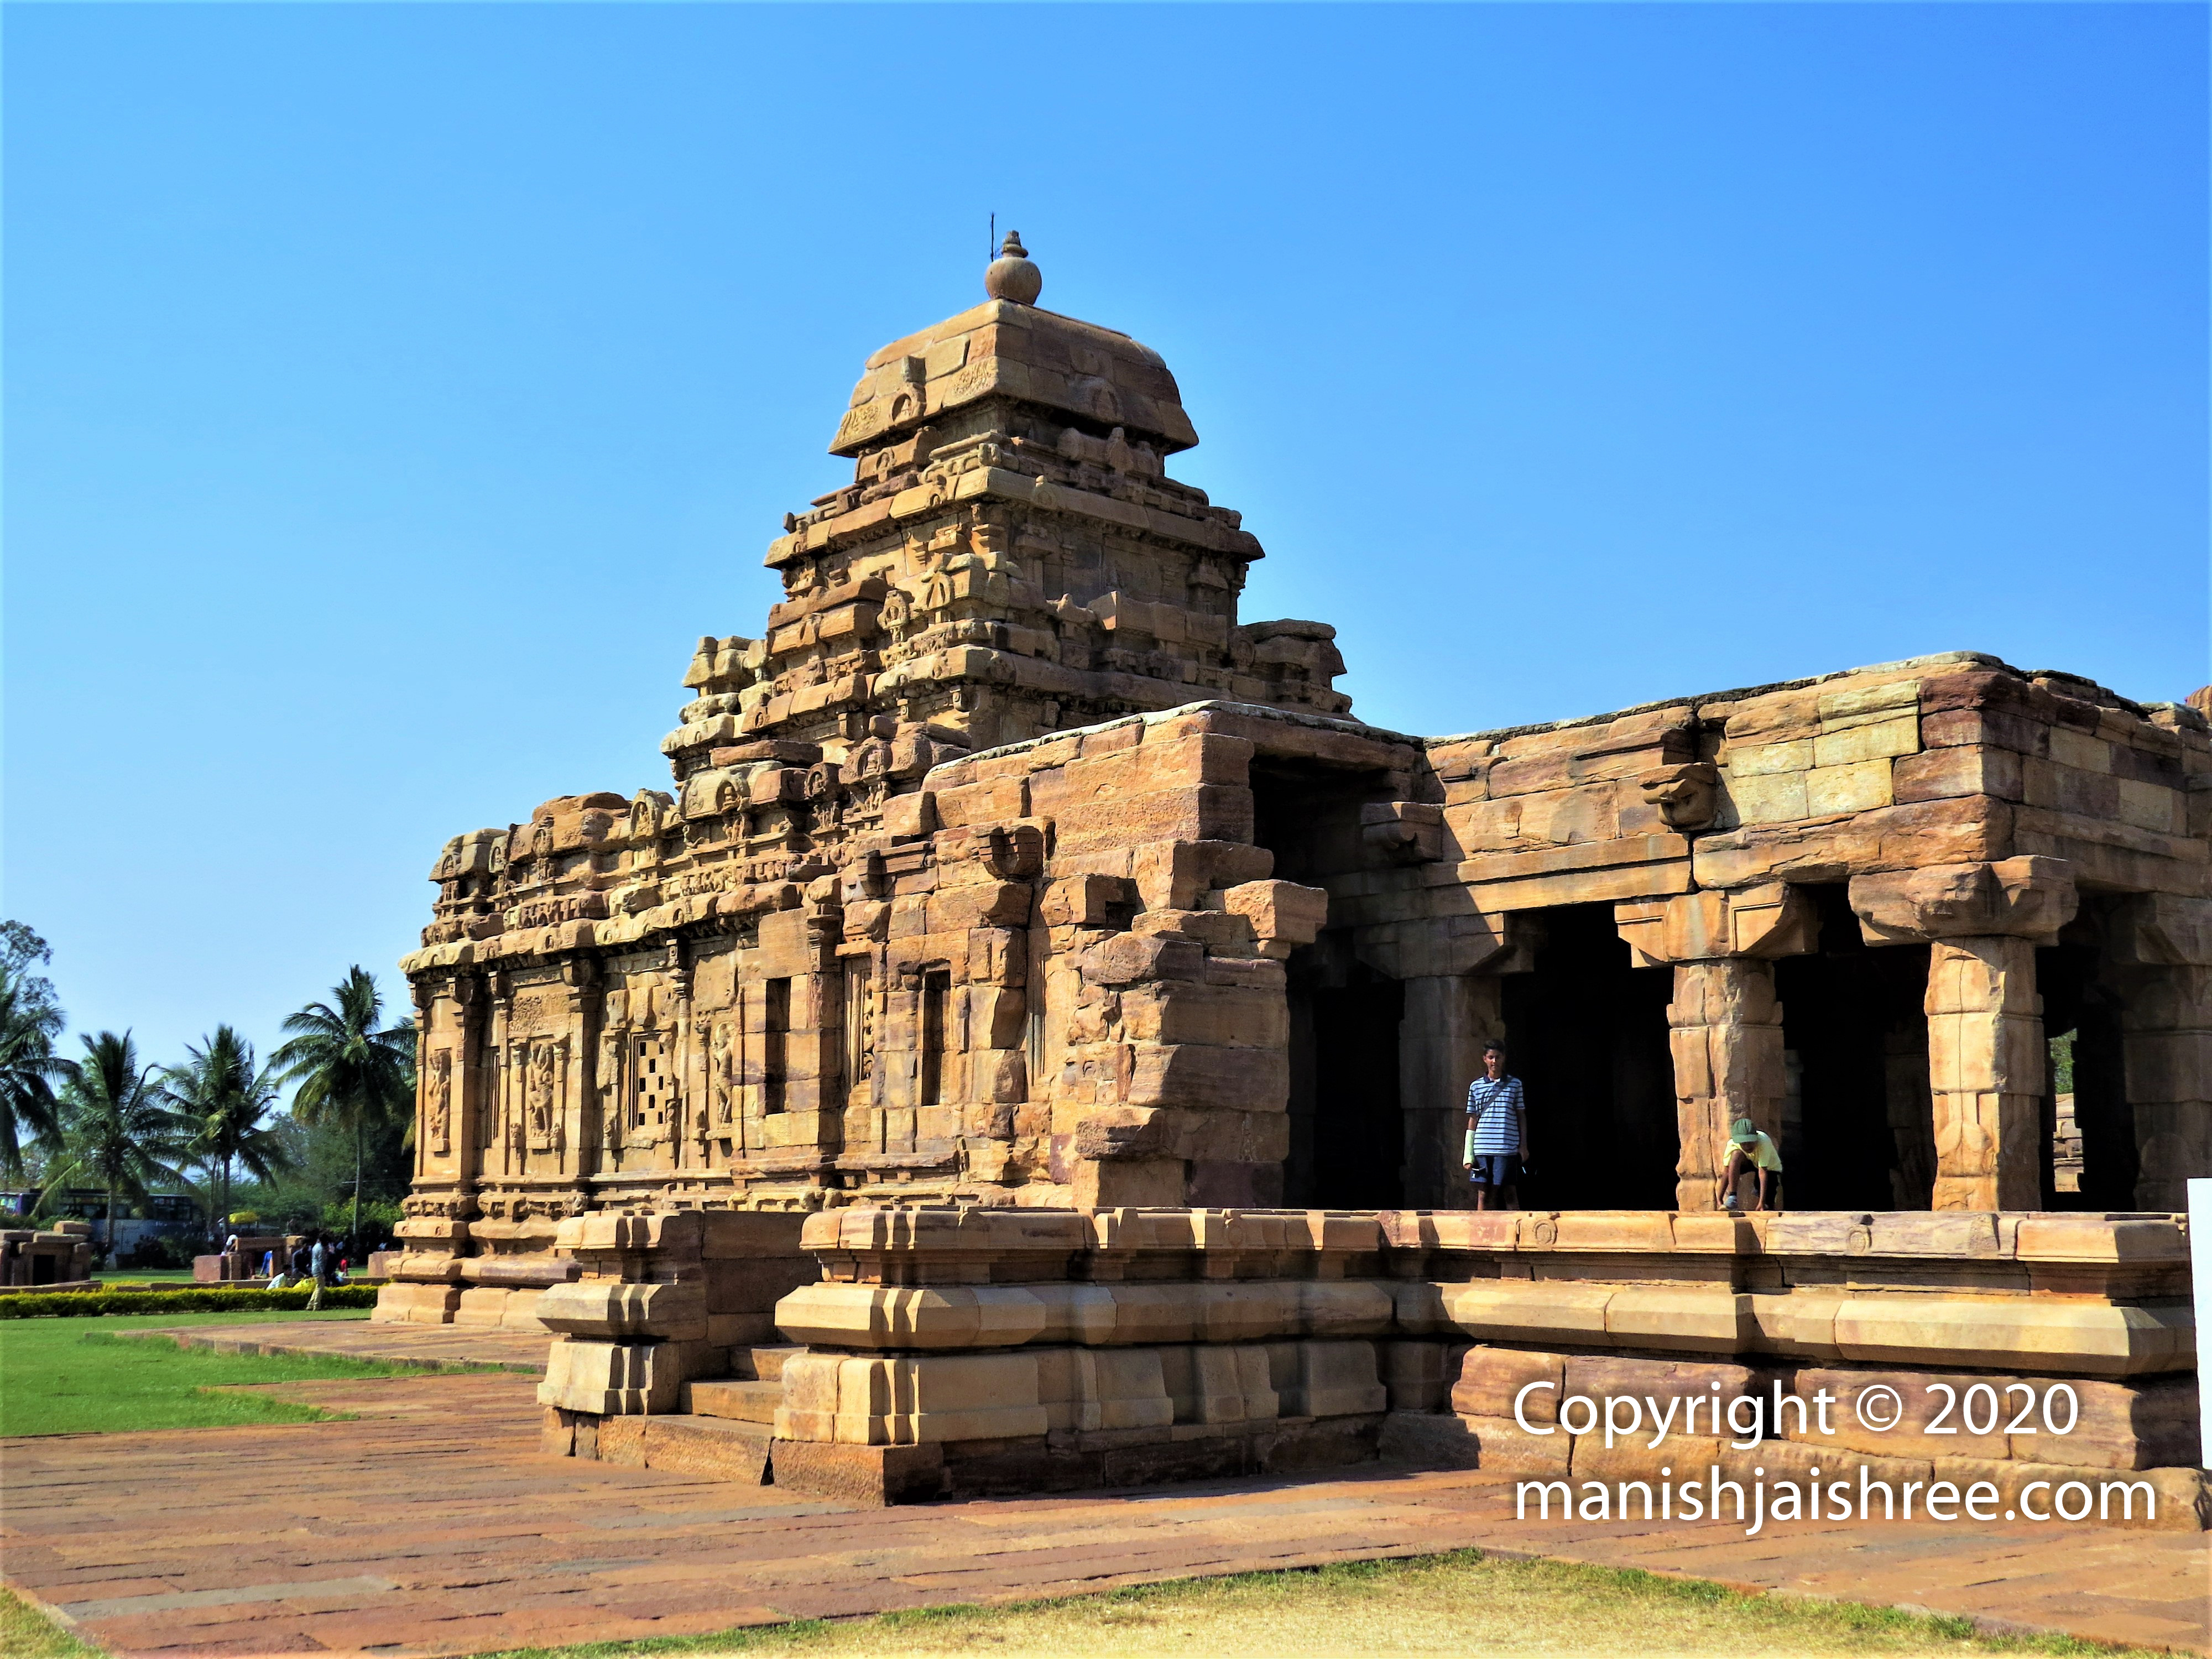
(2162,950)
(1724,1024)
(1986,1071)
(424,999)
(1985,1045)
(471,1080)
(492,1156)
(576,1135)
(1449,968)
(1447,1020)
(1724,1028)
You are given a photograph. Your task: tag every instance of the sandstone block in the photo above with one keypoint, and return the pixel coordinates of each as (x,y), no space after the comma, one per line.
(1695,1318)
(860,1474)
(1326,1379)
(2028,1334)
(614,1379)
(712,1449)
(1501,1444)
(1416,1376)
(1135,958)
(1219,1383)
(403,1303)
(1491,1380)
(604,1308)
(1510,1310)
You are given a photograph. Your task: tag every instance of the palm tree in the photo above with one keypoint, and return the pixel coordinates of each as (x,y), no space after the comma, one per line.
(28,1071)
(351,1070)
(115,1125)
(218,1089)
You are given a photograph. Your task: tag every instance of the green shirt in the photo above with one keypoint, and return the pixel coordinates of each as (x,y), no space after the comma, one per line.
(1761,1151)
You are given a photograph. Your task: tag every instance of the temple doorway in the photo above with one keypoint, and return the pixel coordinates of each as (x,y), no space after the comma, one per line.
(1358,1133)
(1587,1035)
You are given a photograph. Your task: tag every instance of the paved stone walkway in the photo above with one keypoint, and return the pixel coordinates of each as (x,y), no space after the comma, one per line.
(362,1339)
(432,1525)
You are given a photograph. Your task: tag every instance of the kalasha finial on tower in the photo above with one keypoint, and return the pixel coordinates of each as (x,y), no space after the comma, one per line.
(1012,277)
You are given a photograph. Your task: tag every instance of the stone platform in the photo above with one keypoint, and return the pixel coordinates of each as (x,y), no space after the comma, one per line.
(428,1345)
(430,1525)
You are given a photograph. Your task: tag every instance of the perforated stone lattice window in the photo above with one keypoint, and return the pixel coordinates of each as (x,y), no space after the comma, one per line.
(652,1088)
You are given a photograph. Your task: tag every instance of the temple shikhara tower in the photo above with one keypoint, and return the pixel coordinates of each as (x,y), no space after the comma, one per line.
(1038,1001)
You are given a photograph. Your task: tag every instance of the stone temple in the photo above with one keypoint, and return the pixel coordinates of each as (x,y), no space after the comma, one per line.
(1010,869)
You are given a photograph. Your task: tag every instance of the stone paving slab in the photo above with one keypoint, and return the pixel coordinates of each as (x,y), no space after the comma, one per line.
(431,1524)
(397,1345)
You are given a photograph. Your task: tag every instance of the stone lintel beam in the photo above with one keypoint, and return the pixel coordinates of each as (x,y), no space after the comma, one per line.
(2029,898)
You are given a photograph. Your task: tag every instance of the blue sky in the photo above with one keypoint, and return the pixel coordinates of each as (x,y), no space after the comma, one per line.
(393,394)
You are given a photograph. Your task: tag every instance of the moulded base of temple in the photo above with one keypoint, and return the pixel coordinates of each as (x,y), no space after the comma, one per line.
(971,1351)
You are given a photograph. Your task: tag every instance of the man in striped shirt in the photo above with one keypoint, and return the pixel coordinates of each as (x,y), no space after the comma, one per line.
(1496,1130)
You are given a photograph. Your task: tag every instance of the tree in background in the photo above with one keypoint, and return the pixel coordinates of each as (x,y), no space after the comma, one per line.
(116,1125)
(352,1071)
(227,1101)
(30,1021)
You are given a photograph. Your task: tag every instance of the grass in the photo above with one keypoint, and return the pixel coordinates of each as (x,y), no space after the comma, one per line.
(57,1377)
(26,1633)
(1457,1604)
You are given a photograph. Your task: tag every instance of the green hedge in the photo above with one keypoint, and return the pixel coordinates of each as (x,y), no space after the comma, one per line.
(73,1303)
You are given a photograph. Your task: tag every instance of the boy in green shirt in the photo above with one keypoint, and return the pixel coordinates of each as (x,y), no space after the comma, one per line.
(1750,1148)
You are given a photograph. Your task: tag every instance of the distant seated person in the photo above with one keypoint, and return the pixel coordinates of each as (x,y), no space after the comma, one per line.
(1751,1150)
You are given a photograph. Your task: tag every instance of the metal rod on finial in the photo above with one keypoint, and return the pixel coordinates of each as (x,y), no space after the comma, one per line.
(994,253)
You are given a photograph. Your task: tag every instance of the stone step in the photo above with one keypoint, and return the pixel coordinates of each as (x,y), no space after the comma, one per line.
(761,1364)
(736,1399)
(711,1446)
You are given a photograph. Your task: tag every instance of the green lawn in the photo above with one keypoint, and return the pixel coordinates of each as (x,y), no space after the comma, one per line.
(79,1377)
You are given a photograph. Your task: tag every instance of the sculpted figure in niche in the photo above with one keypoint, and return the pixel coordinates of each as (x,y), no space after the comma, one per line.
(441,1100)
(721,1074)
(544,1082)
(608,1080)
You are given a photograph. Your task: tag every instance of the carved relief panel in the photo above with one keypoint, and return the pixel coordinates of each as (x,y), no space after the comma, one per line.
(441,1103)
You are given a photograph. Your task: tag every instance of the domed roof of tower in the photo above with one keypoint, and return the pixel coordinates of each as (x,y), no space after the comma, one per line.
(1010,348)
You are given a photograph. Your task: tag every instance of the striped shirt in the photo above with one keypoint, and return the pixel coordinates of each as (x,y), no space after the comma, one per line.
(1495,1104)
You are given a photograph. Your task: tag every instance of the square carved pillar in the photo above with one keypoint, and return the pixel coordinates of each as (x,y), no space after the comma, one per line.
(1725,1027)
(1724,1024)
(1986,1062)
(2166,1033)
(1448,1018)
(2162,946)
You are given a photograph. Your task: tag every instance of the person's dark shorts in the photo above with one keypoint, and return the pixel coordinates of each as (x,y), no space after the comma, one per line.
(1494,1169)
